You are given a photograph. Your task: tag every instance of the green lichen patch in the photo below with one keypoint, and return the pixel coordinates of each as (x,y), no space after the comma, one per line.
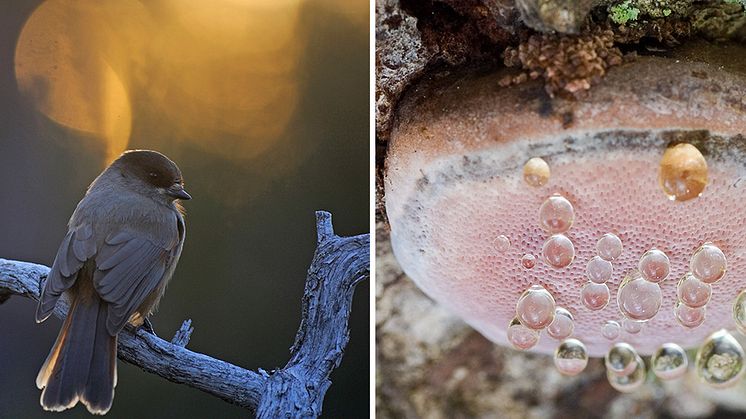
(623,12)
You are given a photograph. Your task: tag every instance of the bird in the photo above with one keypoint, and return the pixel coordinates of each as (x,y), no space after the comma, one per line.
(123,242)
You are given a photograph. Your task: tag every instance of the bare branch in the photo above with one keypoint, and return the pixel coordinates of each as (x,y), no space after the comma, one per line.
(297,390)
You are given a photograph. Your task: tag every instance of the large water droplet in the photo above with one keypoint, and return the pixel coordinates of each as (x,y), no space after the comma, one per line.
(562,325)
(719,360)
(689,317)
(595,296)
(632,327)
(639,299)
(536,172)
(528,261)
(520,336)
(598,270)
(571,357)
(669,362)
(683,172)
(739,312)
(535,308)
(630,382)
(558,251)
(621,359)
(693,292)
(611,329)
(708,263)
(502,243)
(556,214)
(609,246)
(654,265)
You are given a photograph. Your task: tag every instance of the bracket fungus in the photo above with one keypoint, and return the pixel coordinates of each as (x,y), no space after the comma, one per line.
(633,180)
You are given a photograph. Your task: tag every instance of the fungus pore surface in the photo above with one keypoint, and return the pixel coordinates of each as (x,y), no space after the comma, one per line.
(455,183)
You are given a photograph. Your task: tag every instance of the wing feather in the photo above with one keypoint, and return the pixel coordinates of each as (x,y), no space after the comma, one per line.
(76,248)
(129,268)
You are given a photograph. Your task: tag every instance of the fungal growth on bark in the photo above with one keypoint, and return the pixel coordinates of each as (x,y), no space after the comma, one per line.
(607,226)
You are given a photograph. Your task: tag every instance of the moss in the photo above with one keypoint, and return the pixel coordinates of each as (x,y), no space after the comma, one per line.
(623,12)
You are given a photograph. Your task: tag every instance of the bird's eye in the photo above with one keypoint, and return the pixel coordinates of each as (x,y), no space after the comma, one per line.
(153,175)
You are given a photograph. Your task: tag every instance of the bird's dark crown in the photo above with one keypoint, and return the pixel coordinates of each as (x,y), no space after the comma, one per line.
(150,166)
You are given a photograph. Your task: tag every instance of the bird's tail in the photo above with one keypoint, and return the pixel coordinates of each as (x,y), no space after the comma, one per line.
(82,363)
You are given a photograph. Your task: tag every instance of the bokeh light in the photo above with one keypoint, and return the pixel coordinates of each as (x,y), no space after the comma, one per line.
(223,75)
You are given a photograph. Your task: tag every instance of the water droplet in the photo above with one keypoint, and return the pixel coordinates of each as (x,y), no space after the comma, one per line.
(520,336)
(654,265)
(558,251)
(556,214)
(536,172)
(683,172)
(639,299)
(632,327)
(719,360)
(595,296)
(693,292)
(689,317)
(535,307)
(739,312)
(621,359)
(528,261)
(598,270)
(502,243)
(611,329)
(708,263)
(630,382)
(562,325)
(669,362)
(571,357)
(609,246)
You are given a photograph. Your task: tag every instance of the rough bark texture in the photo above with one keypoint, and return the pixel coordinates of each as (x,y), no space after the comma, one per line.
(432,365)
(298,389)
(421,38)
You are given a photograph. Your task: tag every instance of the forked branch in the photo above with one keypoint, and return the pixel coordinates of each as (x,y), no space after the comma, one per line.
(298,389)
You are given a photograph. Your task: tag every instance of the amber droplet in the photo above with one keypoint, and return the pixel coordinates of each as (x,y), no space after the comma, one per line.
(536,172)
(683,172)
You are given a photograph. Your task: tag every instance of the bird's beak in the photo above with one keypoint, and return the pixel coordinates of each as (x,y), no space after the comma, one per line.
(177,191)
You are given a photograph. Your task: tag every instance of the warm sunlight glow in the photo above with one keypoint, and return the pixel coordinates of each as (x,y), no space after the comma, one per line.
(222,74)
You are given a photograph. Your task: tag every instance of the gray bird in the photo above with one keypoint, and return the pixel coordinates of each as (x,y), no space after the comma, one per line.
(122,245)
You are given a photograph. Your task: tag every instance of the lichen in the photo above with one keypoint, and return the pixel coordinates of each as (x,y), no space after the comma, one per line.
(623,12)
(635,10)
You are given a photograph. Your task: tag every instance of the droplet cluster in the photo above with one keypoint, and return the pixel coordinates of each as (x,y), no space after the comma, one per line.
(719,360)
(556,216)
(595,295)
(706,266)
(625,369)
(535,310)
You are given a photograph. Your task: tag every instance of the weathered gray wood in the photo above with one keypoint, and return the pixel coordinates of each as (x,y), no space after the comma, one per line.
(338,265)
(297,390)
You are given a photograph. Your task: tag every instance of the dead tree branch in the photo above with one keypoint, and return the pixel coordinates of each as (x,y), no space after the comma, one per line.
(298,389)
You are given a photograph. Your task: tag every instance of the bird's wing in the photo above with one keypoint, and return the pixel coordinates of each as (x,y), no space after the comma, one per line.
(129,266)
(76,248)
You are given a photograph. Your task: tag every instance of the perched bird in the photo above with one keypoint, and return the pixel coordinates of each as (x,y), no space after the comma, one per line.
(122,245)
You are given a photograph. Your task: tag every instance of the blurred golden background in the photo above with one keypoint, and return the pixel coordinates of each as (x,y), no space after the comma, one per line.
(263,104)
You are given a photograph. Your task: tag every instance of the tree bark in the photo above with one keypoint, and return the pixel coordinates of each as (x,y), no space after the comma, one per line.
(298,389)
